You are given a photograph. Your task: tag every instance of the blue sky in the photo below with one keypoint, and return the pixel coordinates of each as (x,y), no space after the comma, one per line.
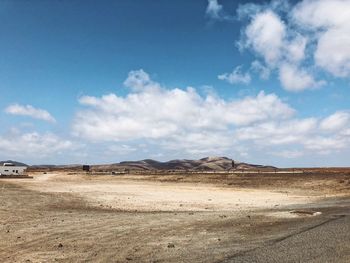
(257,81)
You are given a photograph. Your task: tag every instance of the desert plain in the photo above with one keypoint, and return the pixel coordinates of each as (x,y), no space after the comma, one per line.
(62,216)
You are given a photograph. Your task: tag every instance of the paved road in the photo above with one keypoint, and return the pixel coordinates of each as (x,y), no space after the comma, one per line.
(328,241)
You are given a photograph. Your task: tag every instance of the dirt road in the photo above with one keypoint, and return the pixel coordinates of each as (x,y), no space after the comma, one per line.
(59,217)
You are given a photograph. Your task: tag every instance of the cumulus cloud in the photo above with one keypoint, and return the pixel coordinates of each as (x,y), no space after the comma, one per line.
(138,80)
(295,79)
(181,120)
(214,9)
(326,145)
(153,112)
(288,154)
(299,132)
(174,118)
(236,76)
(18,144)
(265,34)
(336,121)
(295,49)
(298,41)
(263,71)
(330,21)
(28,110)
(281,45)
(292,131)
(199,143)
(333,52)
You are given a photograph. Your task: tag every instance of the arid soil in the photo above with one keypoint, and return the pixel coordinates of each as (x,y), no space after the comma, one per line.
(62,217)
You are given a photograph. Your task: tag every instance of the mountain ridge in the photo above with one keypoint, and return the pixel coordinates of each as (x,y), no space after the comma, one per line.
(211,163)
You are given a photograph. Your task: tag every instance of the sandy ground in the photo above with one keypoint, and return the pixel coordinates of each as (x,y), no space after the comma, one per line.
(130,195)
(61,217)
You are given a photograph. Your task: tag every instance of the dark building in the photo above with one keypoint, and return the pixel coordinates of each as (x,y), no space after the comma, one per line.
(86,168)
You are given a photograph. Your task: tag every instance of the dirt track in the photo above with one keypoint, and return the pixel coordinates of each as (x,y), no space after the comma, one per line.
(209,218)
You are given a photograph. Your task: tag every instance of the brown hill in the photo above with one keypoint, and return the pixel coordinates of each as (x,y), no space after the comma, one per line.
(204,164)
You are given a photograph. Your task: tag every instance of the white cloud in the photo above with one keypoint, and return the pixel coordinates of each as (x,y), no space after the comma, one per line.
(265,34)
(119,149)
(176,120)
(333,52)
(33,144)
(282,46)
(295,49)
(138,80)
(236,76)
(214,9)
(299,41)
(199,143)
(330,21)
(322,13)
(294,79)
(288,154)
(263,71)
(28,110)
(160,113)
(268,36)
(326,145)
(292,131)
(336,121)
(308,133)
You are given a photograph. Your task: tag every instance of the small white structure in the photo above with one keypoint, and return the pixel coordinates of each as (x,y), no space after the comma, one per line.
(12,169)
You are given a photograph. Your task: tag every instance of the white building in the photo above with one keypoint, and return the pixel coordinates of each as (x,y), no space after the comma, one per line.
(12,169)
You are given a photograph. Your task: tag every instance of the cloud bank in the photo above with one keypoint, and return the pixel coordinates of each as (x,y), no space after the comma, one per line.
(155,120)
(173,119)
(40,145)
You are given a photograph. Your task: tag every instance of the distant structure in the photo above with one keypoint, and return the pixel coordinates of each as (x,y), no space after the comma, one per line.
(86,168)
(12,169)
(233,164)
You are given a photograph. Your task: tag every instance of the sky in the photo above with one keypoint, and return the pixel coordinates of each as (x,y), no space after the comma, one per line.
(264,82)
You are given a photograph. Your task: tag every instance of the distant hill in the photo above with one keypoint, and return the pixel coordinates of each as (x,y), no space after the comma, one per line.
(14,162)
(204,164)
